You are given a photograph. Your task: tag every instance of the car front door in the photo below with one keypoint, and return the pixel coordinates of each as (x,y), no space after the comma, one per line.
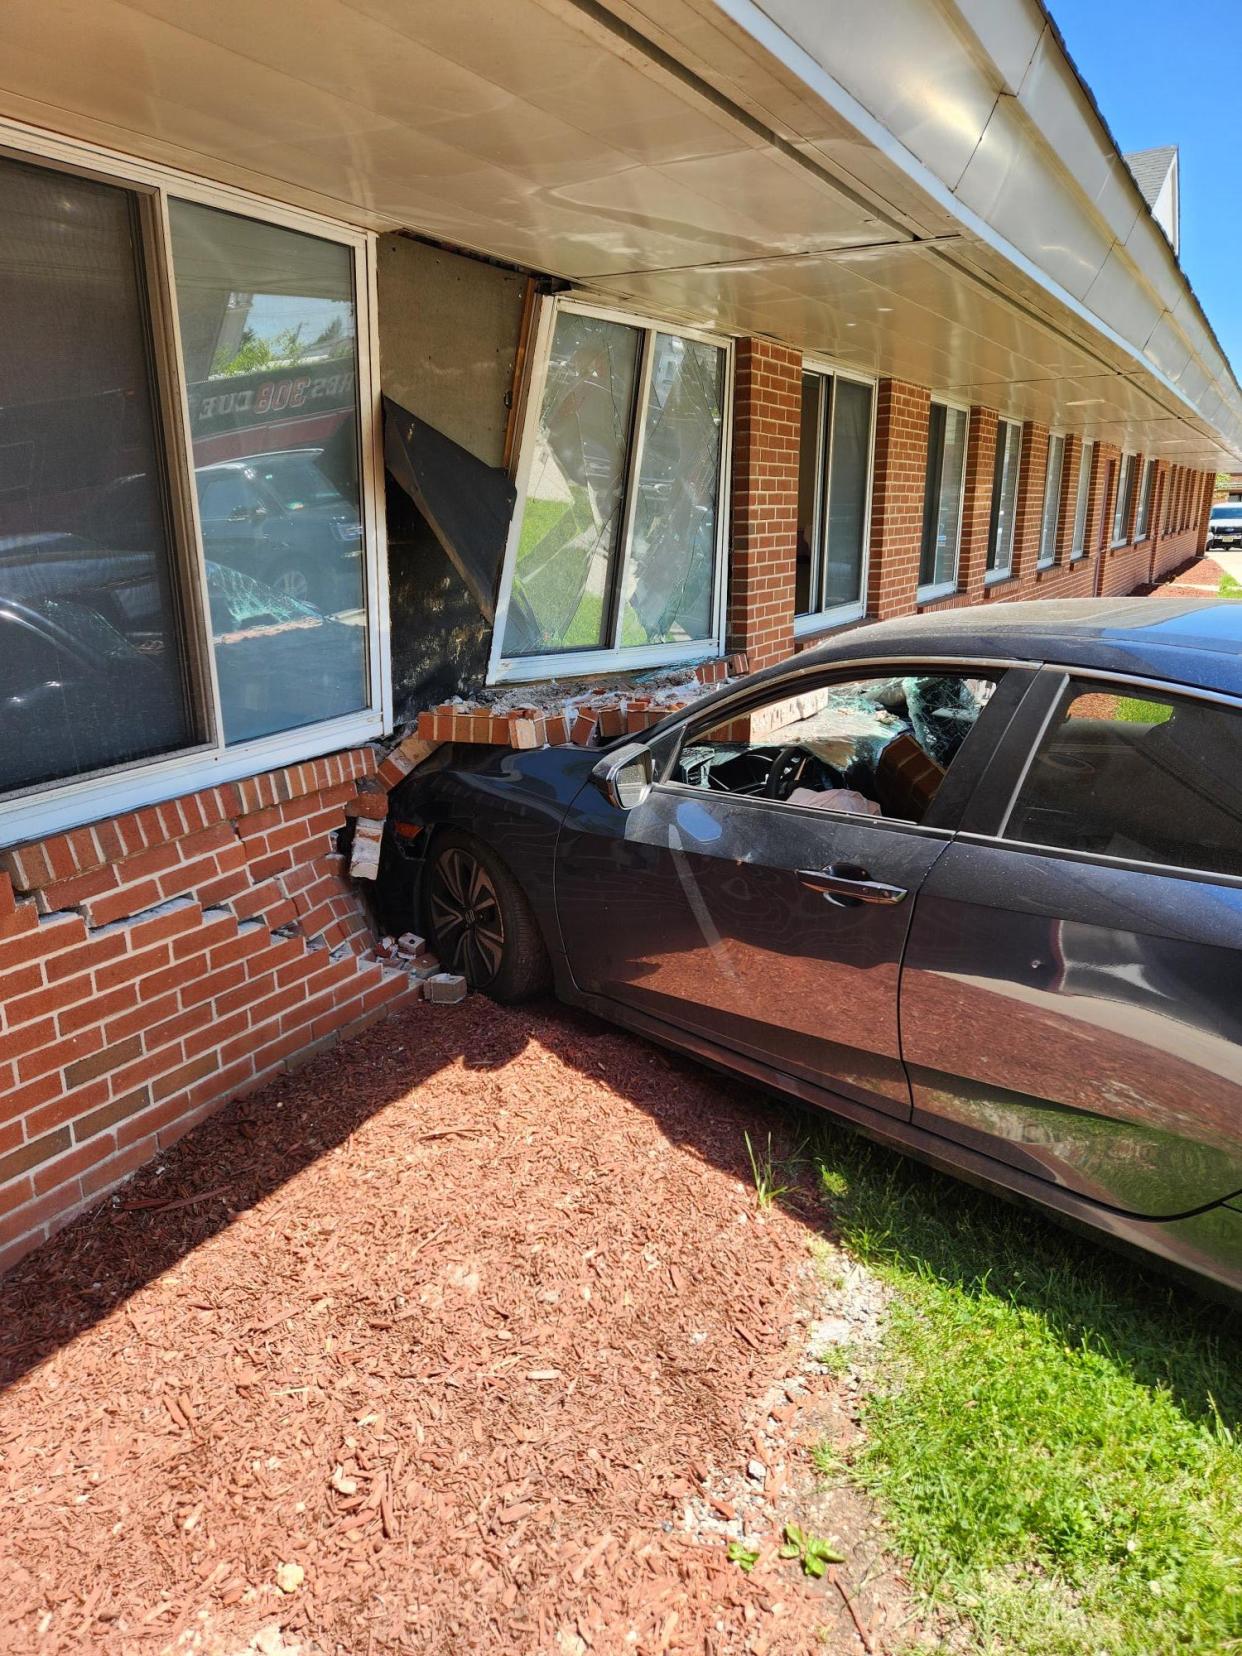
(769,924)
(1072,995)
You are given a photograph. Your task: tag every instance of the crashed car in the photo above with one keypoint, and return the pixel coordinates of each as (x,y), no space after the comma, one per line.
(970,882)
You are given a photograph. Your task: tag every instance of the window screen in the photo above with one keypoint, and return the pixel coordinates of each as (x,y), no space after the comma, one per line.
(268,330)
(1125,499)
(92,670)
(834,481)
(1143,775)
(942,502)
(1051,520)
(1078,545)
(1142,528)
(1004,498)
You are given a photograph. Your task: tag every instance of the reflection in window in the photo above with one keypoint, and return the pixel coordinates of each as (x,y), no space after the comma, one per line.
(1050,521)
(833,485)
(620,521)
(92,672)
(1078,545)
(1125,499)
(1004,499)
(667,591)
(942,501)
(268,333)
(1143,527)
(1148,777)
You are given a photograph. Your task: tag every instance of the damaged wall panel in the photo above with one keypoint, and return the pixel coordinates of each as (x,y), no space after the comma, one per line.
(449,332)
(449,327)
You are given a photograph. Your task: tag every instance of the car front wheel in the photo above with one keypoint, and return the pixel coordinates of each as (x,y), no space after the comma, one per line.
(480,923)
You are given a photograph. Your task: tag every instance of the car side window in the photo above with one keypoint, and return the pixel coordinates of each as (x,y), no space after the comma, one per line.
(1143,775)
(878,746)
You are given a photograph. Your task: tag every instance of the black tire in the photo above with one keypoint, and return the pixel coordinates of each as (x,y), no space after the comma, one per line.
(479,921)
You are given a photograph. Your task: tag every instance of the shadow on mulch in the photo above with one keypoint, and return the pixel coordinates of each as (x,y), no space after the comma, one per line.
(250,1148)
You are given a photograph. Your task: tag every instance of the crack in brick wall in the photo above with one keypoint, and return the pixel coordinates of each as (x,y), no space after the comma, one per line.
(155,965)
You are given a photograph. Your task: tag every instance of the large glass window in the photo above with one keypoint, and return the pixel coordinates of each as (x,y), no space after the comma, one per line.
(619,538)
(94,668)
(834,486)
(1125,500)
(269,338)
(139,637)
(1078,545)
(1138,774)
(1050,521)
(1004,500)
(942,502)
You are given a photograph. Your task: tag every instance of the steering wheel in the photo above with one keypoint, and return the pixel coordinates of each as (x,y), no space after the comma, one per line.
(789,770)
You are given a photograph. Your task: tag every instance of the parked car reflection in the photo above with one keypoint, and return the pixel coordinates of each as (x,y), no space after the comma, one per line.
(81,633)
(277,517)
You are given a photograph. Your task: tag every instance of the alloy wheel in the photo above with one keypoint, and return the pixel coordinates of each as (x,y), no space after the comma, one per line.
(466,921)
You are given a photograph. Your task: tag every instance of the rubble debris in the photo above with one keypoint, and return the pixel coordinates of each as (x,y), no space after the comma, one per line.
(289,1577)
(364,856)
(444,988)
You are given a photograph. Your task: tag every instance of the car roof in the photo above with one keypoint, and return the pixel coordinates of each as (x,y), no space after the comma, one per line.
(1193,641)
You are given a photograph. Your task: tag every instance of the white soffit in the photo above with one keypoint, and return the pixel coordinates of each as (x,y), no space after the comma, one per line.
(897,192)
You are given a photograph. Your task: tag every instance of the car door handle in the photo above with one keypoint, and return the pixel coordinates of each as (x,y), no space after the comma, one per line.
(845,885)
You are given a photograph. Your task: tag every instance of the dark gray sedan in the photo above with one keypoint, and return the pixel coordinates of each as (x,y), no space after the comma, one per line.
(972,882)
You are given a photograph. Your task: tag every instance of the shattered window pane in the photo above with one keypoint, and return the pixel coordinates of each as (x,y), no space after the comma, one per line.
(92,669)
(667,595)
(268,330)
(571,523)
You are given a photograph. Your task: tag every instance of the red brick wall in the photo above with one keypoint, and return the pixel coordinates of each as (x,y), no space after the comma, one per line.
(767,411)
(154,965)
(901,416)
(897,515)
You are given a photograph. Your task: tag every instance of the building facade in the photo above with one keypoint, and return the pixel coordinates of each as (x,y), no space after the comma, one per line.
(360,358)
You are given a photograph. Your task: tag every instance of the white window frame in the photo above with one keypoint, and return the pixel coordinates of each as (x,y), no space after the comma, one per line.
(1041,561)
(1082,501)
(817,621)
(994,577)
(946,589)
(62,804)
(1146,499)
(504,669)
(1126,463)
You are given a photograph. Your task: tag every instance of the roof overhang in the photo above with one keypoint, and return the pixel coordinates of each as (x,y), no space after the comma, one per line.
(929,194)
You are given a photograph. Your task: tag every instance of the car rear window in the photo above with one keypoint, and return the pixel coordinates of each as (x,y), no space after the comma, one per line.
(1140,775)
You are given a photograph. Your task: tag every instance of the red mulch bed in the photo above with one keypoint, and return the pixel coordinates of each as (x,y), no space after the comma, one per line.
(455,1320)
(1203,576)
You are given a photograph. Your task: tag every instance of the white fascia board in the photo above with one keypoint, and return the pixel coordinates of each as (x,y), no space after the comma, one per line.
(772,38)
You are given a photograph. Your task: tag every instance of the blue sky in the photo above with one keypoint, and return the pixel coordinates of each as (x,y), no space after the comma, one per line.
(1159,71)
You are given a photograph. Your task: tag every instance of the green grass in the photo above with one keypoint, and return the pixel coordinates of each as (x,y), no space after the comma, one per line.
(1230,587)
(1133,711)
(1050,1432)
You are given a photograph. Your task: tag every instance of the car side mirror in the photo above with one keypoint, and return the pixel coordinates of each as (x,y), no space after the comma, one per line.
(624,776)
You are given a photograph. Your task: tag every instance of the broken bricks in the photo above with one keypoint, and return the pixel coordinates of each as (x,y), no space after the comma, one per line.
(365,853)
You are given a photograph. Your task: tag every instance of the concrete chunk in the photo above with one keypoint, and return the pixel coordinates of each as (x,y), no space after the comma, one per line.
(444,989)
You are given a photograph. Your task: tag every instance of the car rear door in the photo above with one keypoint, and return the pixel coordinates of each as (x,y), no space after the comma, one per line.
(1071,1000)
(772,929)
